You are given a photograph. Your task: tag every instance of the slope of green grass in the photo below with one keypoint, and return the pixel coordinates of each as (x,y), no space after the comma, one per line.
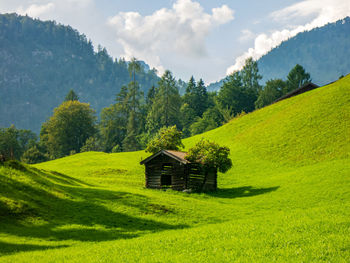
(287,198)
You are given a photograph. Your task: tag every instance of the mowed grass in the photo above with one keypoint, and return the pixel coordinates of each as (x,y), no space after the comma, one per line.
(286,199)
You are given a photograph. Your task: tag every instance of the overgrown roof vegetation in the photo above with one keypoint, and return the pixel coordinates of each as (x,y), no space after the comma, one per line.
(286,198)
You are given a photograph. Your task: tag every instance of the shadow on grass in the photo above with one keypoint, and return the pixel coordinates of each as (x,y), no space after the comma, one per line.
(244,191)
(9,248)
(68,211)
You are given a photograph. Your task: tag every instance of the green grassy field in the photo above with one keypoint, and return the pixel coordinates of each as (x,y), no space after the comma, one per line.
(286,199)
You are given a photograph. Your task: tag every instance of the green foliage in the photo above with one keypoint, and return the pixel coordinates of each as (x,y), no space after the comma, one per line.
(131,142)
(250,76)
(296,78)
(112,126)
(165,110)
(14,142)
(70,126)
(34,155)
(9,145)
(91,144)
(168,138)
(272,91)
(196,97)
(71,96)
(210,154)
(286,199)
(116,149)
(54,60)
(188,116)
(321,51)
(211,119)
(240,90)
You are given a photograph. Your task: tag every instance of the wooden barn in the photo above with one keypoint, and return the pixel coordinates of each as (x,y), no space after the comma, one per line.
(306,87)
(170,169)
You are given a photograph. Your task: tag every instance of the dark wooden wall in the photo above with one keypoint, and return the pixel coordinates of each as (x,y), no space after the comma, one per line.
(196,178)
(189,176)
(166,166)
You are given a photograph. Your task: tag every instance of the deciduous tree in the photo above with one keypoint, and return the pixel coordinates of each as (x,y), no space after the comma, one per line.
(69,127)
(168,138)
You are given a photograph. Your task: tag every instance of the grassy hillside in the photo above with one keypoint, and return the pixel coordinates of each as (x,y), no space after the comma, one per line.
(287,198)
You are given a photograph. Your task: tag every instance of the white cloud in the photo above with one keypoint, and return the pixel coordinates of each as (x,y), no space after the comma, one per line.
(324,11)
(246,35)
(35,10)
(180,30)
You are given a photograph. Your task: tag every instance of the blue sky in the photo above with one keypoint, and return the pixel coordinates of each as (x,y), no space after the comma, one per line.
(207,39)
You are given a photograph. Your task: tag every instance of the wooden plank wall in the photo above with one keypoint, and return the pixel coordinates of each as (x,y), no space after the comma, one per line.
(190,176)
(154,171)
(196,177)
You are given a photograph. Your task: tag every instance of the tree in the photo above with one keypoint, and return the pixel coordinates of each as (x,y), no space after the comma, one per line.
(131,142)
(34,155)
(69,127)
(168,138)
(71,96)
(9,145)
(296,78)
(234,96)
(211,155)
(14,142)
(112,126)
(272,91)
(91,144)
(196,96)
(188,116)
(250,76)
(211,119)
(133,101)
(166,105)
(133,87)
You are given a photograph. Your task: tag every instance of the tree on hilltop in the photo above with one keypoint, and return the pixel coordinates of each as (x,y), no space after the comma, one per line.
(71,96)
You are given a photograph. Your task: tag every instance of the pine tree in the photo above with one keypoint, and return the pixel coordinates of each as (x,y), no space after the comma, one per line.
(166,105)
(272,91)
(296,78)
(71,96)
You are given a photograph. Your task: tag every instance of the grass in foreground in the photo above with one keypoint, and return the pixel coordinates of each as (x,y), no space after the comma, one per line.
(287,197)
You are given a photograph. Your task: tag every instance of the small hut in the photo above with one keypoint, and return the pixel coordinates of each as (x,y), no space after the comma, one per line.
(306,87)
(170,169)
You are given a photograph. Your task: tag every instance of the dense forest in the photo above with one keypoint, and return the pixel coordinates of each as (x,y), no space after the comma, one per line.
(41,61)
(323,51)
(84,101)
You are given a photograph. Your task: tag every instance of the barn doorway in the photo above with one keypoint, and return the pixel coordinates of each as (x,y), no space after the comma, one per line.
(167,171)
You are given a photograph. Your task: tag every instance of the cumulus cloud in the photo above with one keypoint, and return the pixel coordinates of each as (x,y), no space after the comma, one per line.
(323,12)
(180,30)
(35,10)
(246,35)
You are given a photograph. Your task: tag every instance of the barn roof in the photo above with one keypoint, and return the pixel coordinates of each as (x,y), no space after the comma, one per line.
(306,87)
(179,156)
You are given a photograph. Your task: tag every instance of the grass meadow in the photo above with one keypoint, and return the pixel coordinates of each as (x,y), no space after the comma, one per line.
(286,199)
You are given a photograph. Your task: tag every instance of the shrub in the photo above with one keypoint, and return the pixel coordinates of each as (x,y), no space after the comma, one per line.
(168,138)
(210,154)
(34,155)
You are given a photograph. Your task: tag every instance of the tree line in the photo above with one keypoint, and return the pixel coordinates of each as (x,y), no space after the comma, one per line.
(135,118)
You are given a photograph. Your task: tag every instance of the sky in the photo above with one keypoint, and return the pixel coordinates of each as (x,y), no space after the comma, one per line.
(204,38)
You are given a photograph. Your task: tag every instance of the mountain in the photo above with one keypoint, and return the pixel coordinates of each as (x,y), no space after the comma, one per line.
(285,199)
(41,61)
(324,52)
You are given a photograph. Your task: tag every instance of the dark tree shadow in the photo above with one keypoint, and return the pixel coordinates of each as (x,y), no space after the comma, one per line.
(72,211)
(244,191)
(9,248)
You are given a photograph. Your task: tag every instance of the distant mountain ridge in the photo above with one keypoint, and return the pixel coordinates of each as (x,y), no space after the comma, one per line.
(41,61)
(324,52)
